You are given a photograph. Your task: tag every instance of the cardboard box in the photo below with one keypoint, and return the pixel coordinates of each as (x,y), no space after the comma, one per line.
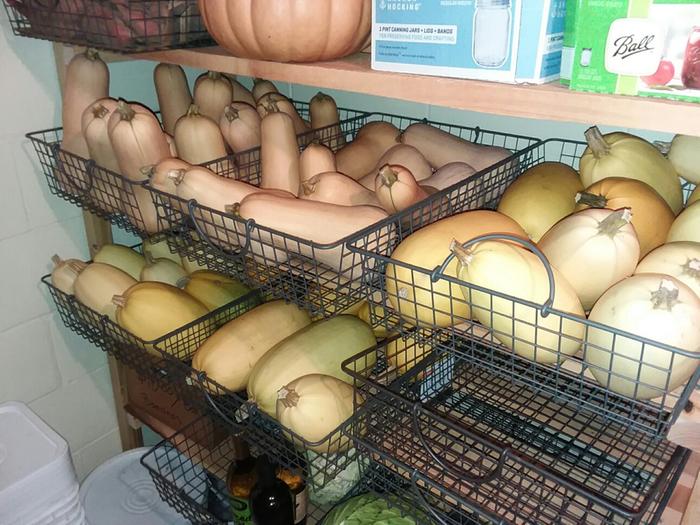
(501,40)
(649,48)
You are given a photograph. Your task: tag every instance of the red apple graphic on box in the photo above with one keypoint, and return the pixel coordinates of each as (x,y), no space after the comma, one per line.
(664,74)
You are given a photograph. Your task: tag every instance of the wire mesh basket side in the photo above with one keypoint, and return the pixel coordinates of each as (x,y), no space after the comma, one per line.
(126,27)
(464,430)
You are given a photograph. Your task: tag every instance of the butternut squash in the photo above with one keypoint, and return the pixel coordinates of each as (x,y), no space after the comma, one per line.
(396,189)
(240,126)
(440,147)
(229,356)
(262,87)
(240,92)
(279,153)
(198,138)
(402,155)
(336,188)
(448,175)
(319,222)
(277,102)
(208,188)
(212,93)
(65,272)
(360,156)
(98,283)
(325,118)
(314,159)
(173,91)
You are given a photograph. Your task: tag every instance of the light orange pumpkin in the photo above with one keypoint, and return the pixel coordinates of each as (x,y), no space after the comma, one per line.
(651,216)
(289,30)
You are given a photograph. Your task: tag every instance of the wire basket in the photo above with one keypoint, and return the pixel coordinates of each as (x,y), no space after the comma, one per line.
(643,403)
(159,367)
(471,439)
(126,26)
(192,478)
(328,278)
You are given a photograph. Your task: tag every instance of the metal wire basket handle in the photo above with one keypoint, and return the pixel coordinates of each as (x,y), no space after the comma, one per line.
(460,475)
(249,225)
(415,475)
(439,272)
(201,377)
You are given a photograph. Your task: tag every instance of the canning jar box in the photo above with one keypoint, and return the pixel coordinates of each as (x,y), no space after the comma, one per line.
(290,267)
(130,26)
(472,441)
(112,196)
(568,381)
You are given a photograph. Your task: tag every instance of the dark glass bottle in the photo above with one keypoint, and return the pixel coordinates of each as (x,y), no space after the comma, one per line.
(294,479)
(271,500)
(240,480)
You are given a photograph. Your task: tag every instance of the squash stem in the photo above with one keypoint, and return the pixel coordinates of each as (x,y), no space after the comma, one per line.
(591,199)
(76,266)
(288,396)
(309,186)
(233,209)
(213,75)
(99,111)
(692,268)
(464,255)
(148,171)
(231,113)
(92,54)
(56,260)
(596,141)
(666,296)
(125,111)
(387,175)
(119,301)
(612,223)
(177,176)
(183,281)
(193,110)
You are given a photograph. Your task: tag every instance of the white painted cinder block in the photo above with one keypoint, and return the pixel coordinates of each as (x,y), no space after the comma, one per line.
(29,368)
(94,454)
(75,356)
(81,411)
(13,217)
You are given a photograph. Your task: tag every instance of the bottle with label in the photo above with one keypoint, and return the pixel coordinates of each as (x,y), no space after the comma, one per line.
(271,500)
(240,480)
(691,63)
(294,479)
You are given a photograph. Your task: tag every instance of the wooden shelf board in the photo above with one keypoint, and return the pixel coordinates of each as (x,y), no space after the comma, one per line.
(545,102)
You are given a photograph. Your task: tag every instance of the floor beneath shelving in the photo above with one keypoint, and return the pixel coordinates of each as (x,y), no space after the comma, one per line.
(673,515)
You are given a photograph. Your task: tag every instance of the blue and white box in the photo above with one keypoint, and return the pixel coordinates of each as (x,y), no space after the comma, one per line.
(514,41)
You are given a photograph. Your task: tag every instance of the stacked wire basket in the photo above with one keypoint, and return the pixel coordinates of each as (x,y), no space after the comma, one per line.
(467,431)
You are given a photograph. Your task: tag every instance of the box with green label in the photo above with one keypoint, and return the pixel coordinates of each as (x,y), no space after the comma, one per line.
(648,48)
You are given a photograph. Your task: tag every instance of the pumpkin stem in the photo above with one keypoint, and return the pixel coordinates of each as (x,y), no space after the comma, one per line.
(666,296)
(309,186)
(591,199)
(596,141)
(387,175)
(183,281)
(231,113)
(288,396)
(692,268)
(119,301)
(125,111)
(56,260)
(464,255)
(233,209)
(177,176)
(193,110)
(612,223)
(99,111)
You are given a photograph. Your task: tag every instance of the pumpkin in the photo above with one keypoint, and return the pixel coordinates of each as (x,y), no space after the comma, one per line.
(593,249)
(288,30)
(313,407)
(680,260)
(541,196)
(651,216)
(508,269)
(686,227)
(651,306)
(412,293)
(624,155)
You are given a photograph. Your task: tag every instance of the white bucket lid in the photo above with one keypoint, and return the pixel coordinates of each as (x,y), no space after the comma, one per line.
(121,491)
(35,465)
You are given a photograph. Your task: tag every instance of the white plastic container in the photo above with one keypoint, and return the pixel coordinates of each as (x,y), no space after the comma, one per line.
(37,477)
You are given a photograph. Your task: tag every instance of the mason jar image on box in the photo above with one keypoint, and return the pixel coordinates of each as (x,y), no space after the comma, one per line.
(492,32)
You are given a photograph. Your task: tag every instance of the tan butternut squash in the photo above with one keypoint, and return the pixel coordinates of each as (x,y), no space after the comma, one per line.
(212,93)
(240,92)
(278,102)
(198,138)
(326,119)
(208,188)
(279,153)
(240,126)
(262,87)
(336,188)
(402,155)
(173,91)
(316,158)
(448,175)
(360,156)
(318,222)
(396,188)
(440,147)
(98,283)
